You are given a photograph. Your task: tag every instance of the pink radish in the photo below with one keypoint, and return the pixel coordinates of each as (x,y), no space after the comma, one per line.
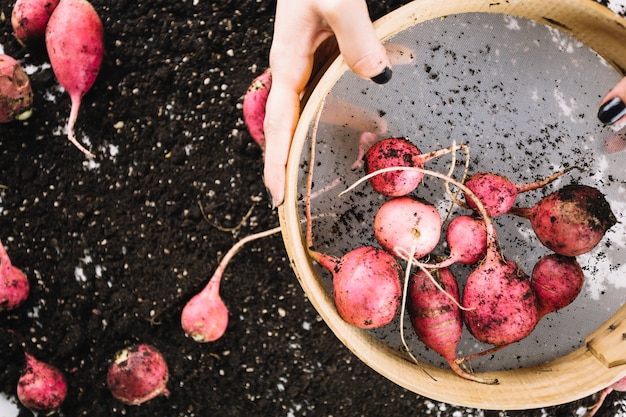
(498,193)
(398,152)
(41,387)
(138,374)
(436,319)
(16,93)
(570,221)
(467,241)
(619,386)
(29,19)
(14,286)
(74,40)
(556,280)
(205,316)
(366,285)
(254,103)
(406,223)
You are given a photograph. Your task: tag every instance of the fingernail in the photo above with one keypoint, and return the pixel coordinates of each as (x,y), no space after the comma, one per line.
(611,111)
(383,77)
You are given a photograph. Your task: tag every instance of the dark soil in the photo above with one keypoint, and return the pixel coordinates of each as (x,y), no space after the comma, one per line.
(114,250)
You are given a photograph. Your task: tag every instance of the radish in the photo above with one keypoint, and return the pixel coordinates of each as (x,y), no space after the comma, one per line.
(41,387)
(16,93)
(30,17)
(436,319)
(398,152)
(138,374)
(366,285)
(467,241)
(75,45)
(498,193)
(254,106)
(14,286)
(406,223)
(556,280)
(570,221)
(619,386)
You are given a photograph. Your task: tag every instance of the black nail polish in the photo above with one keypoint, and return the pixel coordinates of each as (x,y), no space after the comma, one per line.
(383,77)
(611,111)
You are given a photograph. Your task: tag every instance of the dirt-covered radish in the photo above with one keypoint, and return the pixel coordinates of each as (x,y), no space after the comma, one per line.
(41,387)
(138,374)
(366,285)
(556,280)
(498,193)
(436,318)
(398,152)
(466,237)
(75,43)
(406,223)
(619,386)
(16,92)
(14,286)
(570,221)
(29,19)
(254,103)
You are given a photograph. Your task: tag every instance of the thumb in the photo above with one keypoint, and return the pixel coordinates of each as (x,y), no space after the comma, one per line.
(360,47)
(613,106)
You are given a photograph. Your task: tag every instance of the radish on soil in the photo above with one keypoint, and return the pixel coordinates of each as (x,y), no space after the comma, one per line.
(254,103)
(75,45)
(498,193)
(29,19)
(41,387)
(404,222)
(16,93)
(571,221)
(556,280)
(436,319)
(138,374)
(14,286)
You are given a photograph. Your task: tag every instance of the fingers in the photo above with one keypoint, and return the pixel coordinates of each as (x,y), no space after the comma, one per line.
(613,106)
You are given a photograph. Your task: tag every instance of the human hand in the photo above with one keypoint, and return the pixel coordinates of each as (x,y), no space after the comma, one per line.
(613,106)
(300,28)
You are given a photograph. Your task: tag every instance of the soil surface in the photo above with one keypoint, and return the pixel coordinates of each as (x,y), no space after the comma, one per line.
(115,247)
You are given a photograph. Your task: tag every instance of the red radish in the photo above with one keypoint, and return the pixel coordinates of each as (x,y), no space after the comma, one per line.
(30,17)
(467,241)
(398,152)
(498,193)
(138,374)
(254,106)
(619,386)
(366,140)
(75,45)
(570,221)
(406,223)
(366,284)
(14,286)
(205,316)
(436,319)
(556,280)
(41,387)
(16,93)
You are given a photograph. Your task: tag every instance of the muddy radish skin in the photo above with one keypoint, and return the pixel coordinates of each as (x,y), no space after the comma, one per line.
(570,221)
(467,241)
(14,286)
(16,93)
(556,280)
(406,223)
(254,103)
(366,284)
(75,45)
(41,387)
(436,319)
(138,374)
(29,19)
(394,152)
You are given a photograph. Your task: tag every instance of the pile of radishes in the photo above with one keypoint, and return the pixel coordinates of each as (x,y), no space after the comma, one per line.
(500,304)
(73,36)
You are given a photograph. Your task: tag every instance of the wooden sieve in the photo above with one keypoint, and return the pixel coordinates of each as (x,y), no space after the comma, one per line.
(537,108)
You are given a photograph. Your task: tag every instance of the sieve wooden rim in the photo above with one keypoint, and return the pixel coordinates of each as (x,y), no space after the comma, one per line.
(581,373)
